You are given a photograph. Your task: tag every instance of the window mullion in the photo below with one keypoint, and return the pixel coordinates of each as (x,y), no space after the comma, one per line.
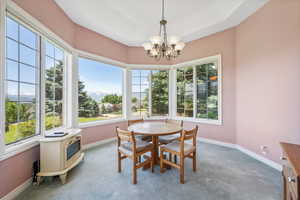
(2,74)
(42,86)
(150,94)
(194,92)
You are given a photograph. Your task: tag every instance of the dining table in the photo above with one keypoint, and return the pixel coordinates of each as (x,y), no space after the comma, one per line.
(155,129)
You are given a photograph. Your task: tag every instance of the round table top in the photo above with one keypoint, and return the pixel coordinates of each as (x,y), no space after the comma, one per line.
(155,128)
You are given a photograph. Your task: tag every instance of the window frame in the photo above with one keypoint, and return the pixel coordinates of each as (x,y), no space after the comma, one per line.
(151,116)
(7,10)
(85,55)
(217,59)
(38,77)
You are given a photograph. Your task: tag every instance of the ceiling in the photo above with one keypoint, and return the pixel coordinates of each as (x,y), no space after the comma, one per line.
(132,22)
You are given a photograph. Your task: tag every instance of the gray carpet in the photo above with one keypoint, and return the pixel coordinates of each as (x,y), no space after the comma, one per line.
(223,173)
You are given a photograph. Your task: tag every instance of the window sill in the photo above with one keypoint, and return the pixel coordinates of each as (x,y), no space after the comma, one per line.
(20,147)
(99,123)
(201,121)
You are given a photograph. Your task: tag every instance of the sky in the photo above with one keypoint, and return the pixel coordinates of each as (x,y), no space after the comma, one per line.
(100,77)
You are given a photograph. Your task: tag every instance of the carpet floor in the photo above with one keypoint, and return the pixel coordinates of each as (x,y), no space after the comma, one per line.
(222,174)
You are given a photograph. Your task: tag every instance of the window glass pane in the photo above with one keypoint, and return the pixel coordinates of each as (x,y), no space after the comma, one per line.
(27,37)
(12,91)
(12,72)
(49,49)
(27,55)
(27,92)
(54,84)
(59,54)
(160,92)
(58,93)
(100,91)
(27,74)
(20,106)
(12,49)
(207,91)
(49,63)
(11,122)
(185,87)
(11,28)
(140,93)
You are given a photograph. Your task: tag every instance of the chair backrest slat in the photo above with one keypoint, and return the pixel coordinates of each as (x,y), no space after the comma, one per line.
(124,135)
(188,135)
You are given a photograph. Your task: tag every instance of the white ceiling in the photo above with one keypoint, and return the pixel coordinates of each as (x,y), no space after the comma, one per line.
(132,22)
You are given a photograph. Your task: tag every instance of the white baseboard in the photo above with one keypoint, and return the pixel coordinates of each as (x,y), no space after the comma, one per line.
(210,141)
(245,151)
(18,190)
(260,158)
(99,143)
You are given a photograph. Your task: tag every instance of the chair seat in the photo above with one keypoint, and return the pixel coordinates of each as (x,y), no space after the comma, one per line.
(140,146)
(175,146)
(143,138)
(166,139)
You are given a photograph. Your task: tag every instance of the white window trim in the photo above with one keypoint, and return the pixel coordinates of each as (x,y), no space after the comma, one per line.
(215,59)
(70,115)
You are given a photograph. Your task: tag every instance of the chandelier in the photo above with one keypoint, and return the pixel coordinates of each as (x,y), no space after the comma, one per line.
(160,46)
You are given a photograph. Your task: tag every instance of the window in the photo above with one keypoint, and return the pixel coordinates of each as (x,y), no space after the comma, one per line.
(185,92)
(22,82)
(99,91)
(197,91)
(150,93)
(140,93)
(207,91)
(54,84)
(160,92)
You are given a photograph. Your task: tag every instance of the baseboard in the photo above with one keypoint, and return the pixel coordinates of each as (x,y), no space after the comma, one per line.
(18,190)
(256,156)
(99,143)
(210,141)
(260,158)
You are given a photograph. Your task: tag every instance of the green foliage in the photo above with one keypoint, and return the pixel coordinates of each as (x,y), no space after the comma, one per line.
(112,99)
(88,107)
(52,121)
(160,92)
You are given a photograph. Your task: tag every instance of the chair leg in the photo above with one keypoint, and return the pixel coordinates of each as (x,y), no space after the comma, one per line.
(134,181)
(182,169)
(194,162)
(152,161)
(119,162)
(170,159)
(161,161)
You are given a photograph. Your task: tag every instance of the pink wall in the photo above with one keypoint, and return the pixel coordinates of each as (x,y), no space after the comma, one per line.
(97,133)
(16,170)
(92,42)
(267,77)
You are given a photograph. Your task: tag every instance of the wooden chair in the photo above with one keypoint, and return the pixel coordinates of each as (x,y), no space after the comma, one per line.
(140,137)
(166,139)
(129,147)
(182,150)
